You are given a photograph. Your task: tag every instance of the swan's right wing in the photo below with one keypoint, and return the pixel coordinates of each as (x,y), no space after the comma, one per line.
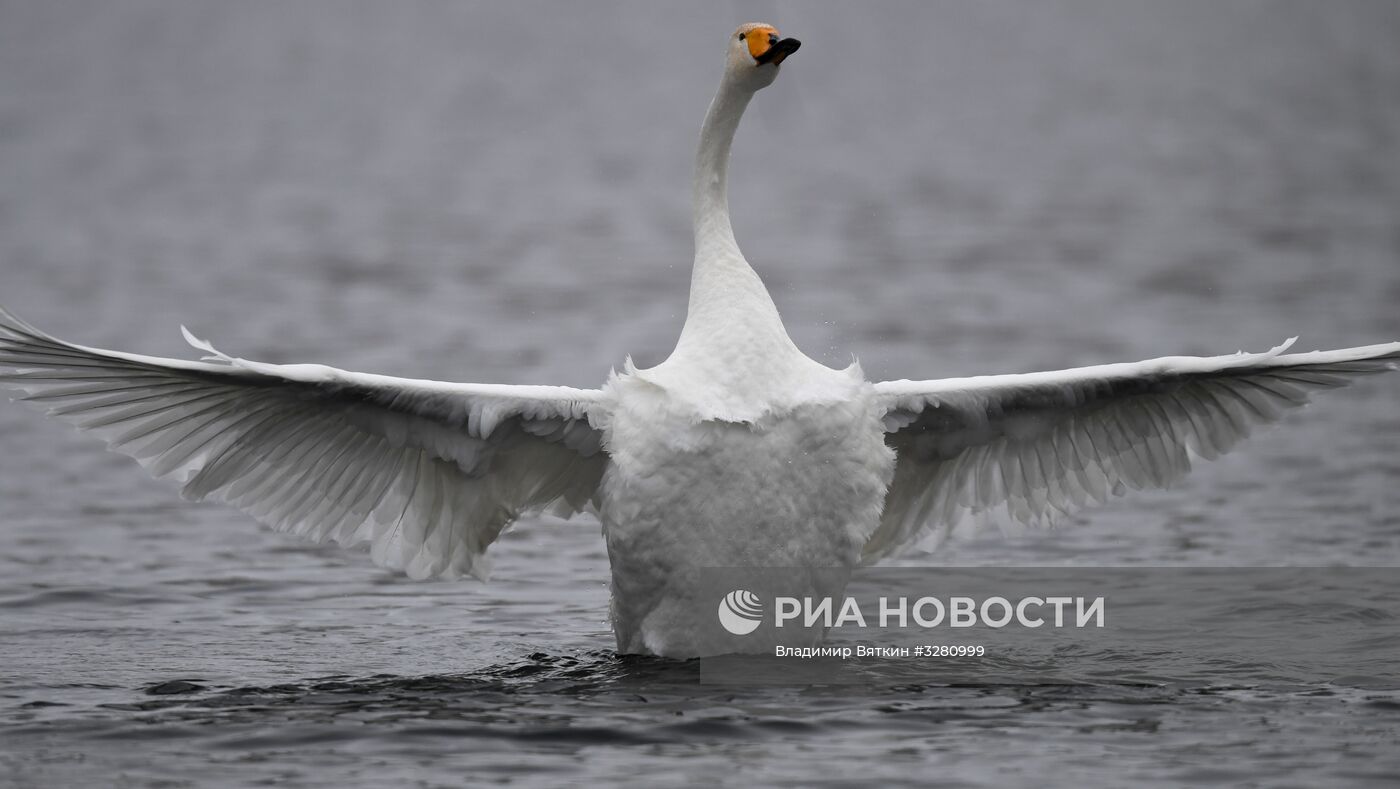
(1042,444)
(426,473)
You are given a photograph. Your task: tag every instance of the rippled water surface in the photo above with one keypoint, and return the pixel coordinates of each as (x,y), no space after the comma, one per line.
(499,193)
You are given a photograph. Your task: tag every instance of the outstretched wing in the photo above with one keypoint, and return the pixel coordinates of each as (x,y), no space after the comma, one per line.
(427,473)
(1044,444)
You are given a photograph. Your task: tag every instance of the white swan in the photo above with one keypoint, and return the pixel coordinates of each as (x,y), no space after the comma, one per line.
(738,450)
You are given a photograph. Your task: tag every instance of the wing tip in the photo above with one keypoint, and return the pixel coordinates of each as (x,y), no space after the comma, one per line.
(12,324)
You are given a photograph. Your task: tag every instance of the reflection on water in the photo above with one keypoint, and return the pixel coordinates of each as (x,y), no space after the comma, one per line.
(415,189)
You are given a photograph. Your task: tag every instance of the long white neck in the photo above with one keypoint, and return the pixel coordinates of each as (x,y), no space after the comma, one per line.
(728,303)
(734,360)
(714,237)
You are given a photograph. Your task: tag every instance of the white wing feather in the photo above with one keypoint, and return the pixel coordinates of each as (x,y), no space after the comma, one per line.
(427,473)
(1044,444)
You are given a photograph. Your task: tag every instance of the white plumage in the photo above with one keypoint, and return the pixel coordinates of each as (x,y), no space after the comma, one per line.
(427,473)
(737,451)
(1044,444)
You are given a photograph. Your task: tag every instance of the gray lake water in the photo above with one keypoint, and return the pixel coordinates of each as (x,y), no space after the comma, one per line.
(499,192)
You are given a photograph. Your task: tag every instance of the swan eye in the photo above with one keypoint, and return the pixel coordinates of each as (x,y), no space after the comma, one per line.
(742,35)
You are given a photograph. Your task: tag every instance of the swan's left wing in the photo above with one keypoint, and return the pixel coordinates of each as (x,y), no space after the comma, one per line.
(427,473)
(1044,444)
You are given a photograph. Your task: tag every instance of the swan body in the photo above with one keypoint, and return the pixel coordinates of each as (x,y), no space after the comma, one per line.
(799,486)
(737,451)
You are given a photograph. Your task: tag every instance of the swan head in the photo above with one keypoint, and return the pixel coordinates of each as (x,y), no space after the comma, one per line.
(755,51)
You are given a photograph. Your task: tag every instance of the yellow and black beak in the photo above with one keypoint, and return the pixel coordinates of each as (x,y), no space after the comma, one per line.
(766,47)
